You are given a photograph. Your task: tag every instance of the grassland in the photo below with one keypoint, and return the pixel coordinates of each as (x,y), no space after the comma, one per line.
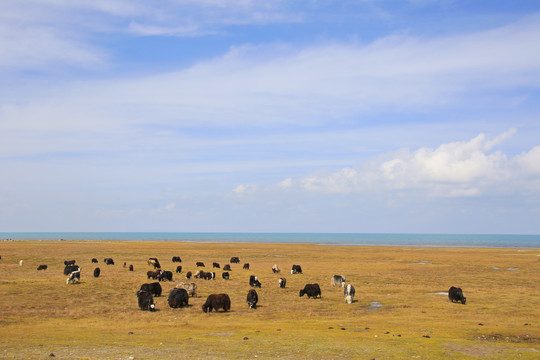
(99,318)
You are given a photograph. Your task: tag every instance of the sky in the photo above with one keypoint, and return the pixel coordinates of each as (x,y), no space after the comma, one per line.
(365,116)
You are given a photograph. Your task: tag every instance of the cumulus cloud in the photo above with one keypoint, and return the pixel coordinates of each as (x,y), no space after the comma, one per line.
(457,162)
(529,161)
(457,169)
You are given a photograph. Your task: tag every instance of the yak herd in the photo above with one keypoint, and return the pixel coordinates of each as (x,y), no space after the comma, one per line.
(179,295)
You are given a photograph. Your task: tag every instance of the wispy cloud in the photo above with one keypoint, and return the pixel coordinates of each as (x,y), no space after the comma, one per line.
(322,119)
(46,35)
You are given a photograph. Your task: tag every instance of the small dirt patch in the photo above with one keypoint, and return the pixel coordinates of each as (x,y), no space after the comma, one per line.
(481,351)
(509,338)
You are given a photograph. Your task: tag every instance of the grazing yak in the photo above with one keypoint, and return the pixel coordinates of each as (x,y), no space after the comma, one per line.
(311,290)
(178,298)
(69,262)
(199,264)
(74,277)
(455,294)
(252,299)
(338,280)
(108,261)
(146,301)
(154,262)
(282,282)
(235,260)
(215,265)
(254,281)
(213,274)
(165,275)
(152,274)
(176,259)
(191,288)
(275,269)
(70,268)
(130,267)
(349,292)
(179,269)
(227,267)
(188,275)
(153,288)
(296,269)
(225,276)
(216,302)
(42,267)
(246,266)
(203,275)
(97,271)
(94,260)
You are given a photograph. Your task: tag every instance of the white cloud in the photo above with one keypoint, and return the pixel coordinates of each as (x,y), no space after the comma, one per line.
(277,84)
(458,169)
(454,162)
(529,161)
(153,30)
(287,183)
(50,34)
(38,47)
(245,188)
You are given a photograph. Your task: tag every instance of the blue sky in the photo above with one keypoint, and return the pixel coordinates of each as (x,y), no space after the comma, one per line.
(278,116)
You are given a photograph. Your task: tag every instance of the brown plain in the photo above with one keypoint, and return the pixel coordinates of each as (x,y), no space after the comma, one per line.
(99,318)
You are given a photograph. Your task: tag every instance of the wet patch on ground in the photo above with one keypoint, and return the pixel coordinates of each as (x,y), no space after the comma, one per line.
(374,305)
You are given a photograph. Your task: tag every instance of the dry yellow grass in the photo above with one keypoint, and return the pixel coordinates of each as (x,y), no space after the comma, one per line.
(99,318)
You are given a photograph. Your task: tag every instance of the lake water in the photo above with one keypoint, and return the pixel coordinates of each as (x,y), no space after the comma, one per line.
(472,240)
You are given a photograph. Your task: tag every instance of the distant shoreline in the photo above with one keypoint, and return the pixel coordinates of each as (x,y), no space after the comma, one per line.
(323,239)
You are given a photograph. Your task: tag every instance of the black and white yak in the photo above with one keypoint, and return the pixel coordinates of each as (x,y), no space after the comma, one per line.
(74,277)
(338,280)
(165,275)
(349,292)
(254,281)
(146,300)
(252,299)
